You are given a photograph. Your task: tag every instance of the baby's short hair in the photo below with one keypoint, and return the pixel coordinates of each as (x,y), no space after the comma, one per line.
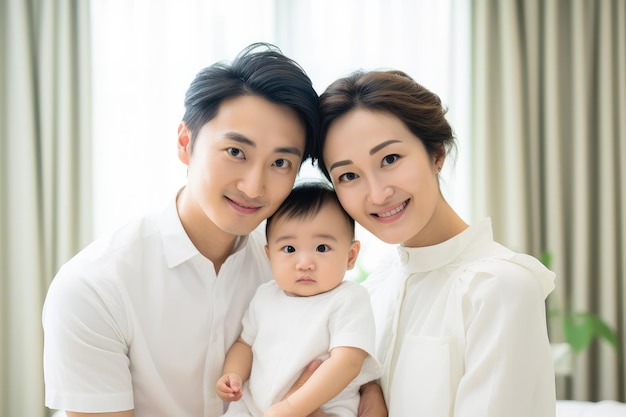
(305,201)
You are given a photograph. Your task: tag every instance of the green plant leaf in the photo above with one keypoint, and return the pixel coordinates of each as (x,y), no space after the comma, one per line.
(578,330)
(581,327)
(603,331)
(546,259)
(362,273)
(553,313)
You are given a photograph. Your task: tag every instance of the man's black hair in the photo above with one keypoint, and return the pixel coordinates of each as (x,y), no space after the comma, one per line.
(261,70)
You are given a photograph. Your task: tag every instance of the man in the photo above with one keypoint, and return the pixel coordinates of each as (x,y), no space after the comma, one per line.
(138,324)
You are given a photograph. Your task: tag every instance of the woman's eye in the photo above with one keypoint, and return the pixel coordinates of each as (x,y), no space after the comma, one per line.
(390,159)
(288,249)
(348,176)
(322,248)
(282,163)
(237,153)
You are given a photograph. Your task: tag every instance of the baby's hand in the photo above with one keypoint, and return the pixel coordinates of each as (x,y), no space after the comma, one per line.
(229,387)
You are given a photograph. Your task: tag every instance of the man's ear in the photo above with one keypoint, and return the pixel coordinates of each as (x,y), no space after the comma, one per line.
(355,247)
(184,143)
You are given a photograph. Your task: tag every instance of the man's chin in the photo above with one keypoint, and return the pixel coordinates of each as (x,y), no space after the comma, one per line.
(242,228)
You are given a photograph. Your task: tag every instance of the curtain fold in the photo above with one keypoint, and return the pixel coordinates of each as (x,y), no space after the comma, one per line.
(45,178)
(549,126)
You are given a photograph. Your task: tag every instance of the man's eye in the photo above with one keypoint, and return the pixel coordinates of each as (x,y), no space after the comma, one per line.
(322,248)
(289,249)
(390,159)
(348,176)
(237,153)
(282,163)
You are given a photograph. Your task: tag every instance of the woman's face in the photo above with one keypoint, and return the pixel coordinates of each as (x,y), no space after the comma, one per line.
(383,175)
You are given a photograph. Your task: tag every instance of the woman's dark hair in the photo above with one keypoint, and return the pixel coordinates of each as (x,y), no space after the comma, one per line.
(261,70)
(305,201)
(392,92)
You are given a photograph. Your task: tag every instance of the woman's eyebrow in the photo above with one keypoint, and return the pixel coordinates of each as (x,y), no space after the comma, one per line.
(382,145)
(340,164)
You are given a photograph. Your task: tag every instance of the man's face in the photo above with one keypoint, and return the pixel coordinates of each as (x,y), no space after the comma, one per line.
(243,165)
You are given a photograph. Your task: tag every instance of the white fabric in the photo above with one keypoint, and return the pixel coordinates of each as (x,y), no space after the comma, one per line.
(568,408)
(461,330)
(286,333)
(140,320)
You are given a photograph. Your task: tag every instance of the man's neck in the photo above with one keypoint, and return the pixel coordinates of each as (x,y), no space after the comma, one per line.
(212,242)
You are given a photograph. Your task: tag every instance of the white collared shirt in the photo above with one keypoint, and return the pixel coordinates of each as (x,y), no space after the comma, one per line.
(461,330)
(140,320)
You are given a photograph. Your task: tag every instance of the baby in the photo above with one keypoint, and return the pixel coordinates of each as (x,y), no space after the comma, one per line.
(308,312)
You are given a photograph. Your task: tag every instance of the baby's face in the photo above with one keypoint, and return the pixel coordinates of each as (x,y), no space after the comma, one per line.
(310,256)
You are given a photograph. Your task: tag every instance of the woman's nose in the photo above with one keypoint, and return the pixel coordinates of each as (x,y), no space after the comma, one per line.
(379,192)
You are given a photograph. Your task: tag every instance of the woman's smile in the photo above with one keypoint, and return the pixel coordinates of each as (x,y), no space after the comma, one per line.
(398,209)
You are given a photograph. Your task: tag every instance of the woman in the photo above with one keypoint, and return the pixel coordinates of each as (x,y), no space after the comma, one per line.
(461,326)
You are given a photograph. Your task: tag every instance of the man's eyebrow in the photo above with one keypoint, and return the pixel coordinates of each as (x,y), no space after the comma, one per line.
(238,137)
(382,145)
(289,149)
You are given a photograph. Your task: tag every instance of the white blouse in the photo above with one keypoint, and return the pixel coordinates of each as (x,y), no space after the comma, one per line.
(461,330)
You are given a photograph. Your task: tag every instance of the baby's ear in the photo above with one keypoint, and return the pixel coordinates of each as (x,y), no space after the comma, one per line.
(355,247)
(267,251)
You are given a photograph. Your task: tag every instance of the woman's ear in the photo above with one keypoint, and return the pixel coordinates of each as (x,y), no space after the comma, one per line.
(439,159)
(184,143)
(355,247)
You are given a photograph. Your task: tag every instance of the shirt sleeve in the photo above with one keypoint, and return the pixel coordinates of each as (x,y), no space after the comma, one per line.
(352,320)
(86,364)
(508,364)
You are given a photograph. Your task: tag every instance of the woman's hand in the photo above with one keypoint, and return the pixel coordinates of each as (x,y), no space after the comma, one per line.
(372,402)
(300,382)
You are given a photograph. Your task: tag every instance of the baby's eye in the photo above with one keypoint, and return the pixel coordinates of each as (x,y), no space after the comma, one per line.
(288,249)
(282,163)
(390,159)
(322,248)
(236,152)
(347,177)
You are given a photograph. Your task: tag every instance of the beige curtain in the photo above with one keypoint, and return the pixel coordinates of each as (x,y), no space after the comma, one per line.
(549,161)
(44,177)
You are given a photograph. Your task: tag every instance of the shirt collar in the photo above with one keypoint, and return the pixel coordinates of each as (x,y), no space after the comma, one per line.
(177,246)
(429,258)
